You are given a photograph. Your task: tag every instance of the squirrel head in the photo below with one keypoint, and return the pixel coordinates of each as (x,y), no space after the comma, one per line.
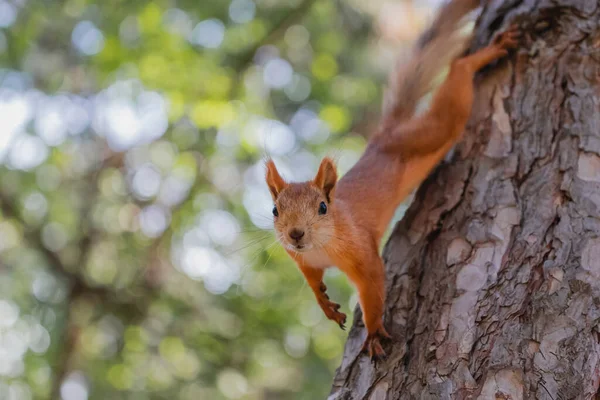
(303,212)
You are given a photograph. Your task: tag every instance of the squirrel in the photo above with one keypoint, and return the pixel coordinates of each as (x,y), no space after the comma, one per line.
(323,222)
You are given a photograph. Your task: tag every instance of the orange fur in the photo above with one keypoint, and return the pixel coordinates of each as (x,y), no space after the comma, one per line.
(398,157)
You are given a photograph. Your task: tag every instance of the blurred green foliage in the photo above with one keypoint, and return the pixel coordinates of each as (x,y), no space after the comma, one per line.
(136,258)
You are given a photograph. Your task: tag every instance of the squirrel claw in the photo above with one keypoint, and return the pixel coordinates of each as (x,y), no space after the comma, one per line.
(331,312)
(372,344)
(342,323)
(330,308)
(378,357)
(384,334)
(509,39)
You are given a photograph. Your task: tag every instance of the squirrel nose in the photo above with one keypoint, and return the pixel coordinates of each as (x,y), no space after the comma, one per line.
(296,234)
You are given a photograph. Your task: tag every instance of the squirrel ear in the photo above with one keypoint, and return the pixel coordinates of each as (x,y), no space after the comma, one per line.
(326,177)
(274,180)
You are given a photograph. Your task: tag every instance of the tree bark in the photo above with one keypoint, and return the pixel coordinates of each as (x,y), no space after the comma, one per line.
(493,275)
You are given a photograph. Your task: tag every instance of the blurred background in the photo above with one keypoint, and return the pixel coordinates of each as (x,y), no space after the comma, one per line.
(137,257)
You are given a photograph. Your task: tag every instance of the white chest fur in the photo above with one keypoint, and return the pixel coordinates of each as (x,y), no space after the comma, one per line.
(317,258)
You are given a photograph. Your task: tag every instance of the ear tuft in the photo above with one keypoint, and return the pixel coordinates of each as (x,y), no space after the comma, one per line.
(326,177)
(274,180)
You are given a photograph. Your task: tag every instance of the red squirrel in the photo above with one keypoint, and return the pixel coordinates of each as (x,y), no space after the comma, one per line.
(323,223)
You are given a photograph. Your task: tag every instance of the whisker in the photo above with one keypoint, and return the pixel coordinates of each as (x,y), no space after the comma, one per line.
(245,267)
(250,244)
(255,230)
(270,254)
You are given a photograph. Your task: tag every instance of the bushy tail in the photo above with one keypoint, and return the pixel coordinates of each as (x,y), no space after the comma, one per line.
(435,49)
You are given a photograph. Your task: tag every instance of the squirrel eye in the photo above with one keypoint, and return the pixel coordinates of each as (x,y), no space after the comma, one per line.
(322,208)
(275,212)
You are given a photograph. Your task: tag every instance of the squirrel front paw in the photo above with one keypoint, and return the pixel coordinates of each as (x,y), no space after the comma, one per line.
(372,344)
(331,312)
(331,309)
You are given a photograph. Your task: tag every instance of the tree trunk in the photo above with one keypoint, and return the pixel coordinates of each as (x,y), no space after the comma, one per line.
(493,275)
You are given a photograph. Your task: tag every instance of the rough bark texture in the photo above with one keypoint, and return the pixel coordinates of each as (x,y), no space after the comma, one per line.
(493,275)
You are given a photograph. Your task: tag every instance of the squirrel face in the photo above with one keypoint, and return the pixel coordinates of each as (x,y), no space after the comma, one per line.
(303,212)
